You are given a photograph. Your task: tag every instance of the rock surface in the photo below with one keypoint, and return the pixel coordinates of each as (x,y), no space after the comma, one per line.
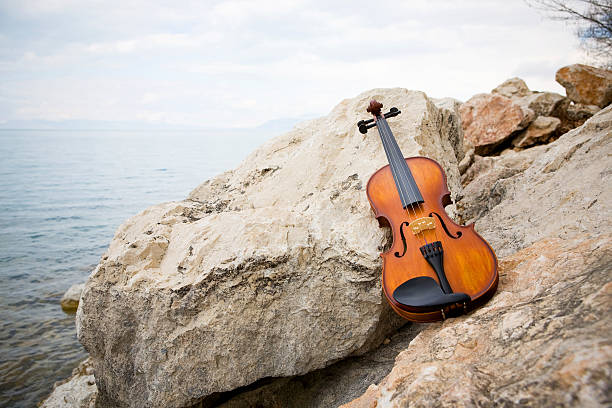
(544,338)
(539,131)
(574,115)
(489,120)
(270,270)
(541,103)
(78,391)
(329,387)
(70,300)
(586,85)
(544,103)
(512,88)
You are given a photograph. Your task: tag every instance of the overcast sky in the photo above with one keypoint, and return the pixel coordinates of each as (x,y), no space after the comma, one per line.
(242,63)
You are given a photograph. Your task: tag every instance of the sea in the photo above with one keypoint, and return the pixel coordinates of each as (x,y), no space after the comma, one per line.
(63,194)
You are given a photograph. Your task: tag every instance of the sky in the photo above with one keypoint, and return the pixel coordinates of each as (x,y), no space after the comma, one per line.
(241,63)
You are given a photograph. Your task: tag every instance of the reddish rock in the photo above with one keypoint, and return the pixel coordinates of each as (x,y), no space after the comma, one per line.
(489,120)
(539,131)
(586,85)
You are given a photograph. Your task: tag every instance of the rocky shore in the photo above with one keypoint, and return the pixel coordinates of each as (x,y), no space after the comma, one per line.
(262,288)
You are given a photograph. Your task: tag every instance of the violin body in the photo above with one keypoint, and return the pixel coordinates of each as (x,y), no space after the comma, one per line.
(465,260)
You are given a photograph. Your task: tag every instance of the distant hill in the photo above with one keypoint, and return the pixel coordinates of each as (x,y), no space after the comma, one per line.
(272,126)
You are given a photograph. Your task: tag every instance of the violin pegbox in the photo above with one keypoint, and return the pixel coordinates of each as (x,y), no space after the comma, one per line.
(375,108)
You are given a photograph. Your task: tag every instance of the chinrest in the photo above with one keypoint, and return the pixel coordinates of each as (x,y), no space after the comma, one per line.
(424,292)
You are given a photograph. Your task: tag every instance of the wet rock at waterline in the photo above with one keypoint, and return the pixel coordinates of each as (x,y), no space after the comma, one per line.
(269,270)
(70,300)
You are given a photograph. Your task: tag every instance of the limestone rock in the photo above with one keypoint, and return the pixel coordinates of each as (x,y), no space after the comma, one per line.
(480,165)
(541,103)
(269,270)
(539,131)
(489,120)
(70,300)
(78,391)
(574,115)
(467,161)
(512,88)
(329,387)
(563,179)
(451,126)
(545,103)
(586,85)
(544,338)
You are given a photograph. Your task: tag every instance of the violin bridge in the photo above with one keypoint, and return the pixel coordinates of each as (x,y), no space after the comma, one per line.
(422,224)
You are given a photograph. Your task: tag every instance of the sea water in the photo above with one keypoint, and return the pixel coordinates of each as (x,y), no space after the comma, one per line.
(62,196)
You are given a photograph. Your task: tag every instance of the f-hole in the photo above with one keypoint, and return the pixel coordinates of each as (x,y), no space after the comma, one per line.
(397,254)
(459,233)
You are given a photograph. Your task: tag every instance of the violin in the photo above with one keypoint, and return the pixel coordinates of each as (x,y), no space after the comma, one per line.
(435,268)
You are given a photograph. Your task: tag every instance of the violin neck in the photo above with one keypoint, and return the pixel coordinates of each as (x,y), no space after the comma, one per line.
(404,181)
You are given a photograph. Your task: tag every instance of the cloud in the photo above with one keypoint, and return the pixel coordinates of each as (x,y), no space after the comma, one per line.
(246,62)
(155,42)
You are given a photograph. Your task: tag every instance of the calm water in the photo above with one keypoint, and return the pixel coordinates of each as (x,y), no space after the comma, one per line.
(62,196)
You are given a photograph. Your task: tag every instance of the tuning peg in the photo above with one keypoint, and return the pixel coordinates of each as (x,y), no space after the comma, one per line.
(364,125)
(392,112)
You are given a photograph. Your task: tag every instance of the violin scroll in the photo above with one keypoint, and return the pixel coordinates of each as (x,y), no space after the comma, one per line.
(374,108)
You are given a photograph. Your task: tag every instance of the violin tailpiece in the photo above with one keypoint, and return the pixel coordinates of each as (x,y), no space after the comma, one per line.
(432,252)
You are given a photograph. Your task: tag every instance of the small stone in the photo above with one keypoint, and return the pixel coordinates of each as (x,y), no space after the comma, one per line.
(543,103)
(70,300)
(467,161)
(512,88)
(574,115)
(539,131)
(78,391)
(586,85)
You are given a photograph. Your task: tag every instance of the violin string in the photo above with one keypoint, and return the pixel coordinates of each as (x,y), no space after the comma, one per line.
(406,169)
(394,148)
(401,163)
(392,165)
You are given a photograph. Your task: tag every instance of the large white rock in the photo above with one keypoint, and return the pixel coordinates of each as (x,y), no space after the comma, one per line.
(268,270)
